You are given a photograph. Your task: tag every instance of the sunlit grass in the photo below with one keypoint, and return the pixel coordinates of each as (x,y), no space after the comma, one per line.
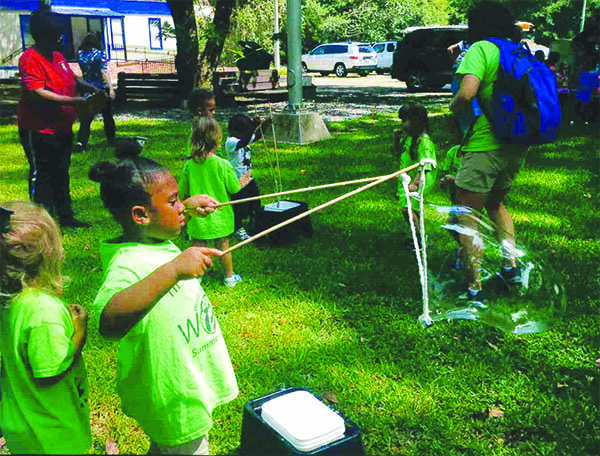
(338,312)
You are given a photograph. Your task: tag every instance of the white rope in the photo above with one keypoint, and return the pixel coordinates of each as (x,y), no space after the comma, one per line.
(420,253)
(424,284)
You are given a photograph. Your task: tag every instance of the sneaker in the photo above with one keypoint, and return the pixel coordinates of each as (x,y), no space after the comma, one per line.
(79,148)
(512,277)
(241,235)
(73,223)
(233,280)
(475,300)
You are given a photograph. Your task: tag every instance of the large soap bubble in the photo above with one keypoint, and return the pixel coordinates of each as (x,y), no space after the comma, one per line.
(529,307)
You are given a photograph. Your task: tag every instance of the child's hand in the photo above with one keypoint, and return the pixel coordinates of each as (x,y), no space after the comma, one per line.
(245,179)
(79,316)
(447,180)
(200,205)
(194,262)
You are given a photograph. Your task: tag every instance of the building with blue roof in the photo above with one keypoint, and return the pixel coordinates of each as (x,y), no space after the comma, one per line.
(132,30)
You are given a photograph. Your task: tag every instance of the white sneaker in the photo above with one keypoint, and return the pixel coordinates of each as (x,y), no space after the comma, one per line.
(232,281)
(241,234)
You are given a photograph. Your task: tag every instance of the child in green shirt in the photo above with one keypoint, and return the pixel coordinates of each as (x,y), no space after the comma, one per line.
(417,146)
(206,173)
(44,403)
(173,367)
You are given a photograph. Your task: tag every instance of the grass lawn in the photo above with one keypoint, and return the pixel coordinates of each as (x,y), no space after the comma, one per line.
(337,313)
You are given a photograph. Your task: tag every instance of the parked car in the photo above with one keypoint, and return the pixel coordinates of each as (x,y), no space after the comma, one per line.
(421,58)
(385,55)
(341,59)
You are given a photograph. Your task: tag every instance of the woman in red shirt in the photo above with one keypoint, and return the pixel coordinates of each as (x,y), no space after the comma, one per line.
(46,115)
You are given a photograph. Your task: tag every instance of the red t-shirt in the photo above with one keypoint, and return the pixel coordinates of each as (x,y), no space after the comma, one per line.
(37,72)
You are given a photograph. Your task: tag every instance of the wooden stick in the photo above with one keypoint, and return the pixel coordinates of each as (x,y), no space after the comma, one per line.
(299,190)
(318,208)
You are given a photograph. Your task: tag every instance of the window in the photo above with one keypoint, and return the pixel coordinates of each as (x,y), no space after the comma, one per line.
(155,29)
(378,48)
(391,47)
(336,49)
(319,51)
(365,49)
(94,25)
(118,33)
(26,37)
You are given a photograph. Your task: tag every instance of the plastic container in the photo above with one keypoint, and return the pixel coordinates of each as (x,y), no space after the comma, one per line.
(296,422)
(303,420)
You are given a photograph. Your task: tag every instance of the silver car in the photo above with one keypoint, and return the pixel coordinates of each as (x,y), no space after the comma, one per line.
(341,59)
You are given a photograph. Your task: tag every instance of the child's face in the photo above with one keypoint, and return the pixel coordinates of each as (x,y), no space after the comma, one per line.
(210,110)
(165,211)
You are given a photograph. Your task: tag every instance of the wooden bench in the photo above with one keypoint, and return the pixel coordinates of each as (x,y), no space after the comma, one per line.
(231,83)
(10,92)
(158,88)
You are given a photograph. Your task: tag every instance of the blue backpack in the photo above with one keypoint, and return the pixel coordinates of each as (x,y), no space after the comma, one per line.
(525,108)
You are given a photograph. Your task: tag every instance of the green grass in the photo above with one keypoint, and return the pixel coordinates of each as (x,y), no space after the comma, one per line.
(338,313)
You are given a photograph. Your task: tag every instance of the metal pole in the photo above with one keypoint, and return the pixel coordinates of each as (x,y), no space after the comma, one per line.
(583,16)
(276,32)
(294,54)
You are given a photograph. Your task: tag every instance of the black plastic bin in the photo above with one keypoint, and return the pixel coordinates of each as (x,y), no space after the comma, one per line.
(259,438)
(288,234)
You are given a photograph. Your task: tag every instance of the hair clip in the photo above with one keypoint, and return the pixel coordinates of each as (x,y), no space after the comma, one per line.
(5,220)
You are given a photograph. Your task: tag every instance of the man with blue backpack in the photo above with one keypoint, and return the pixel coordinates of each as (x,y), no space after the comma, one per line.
(519,107)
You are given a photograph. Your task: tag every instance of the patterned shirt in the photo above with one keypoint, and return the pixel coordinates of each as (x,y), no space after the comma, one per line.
(92,64)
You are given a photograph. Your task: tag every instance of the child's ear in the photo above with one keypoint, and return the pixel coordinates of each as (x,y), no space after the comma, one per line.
(139,214)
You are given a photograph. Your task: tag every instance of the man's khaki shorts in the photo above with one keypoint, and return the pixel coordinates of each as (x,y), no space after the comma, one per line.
(482,172)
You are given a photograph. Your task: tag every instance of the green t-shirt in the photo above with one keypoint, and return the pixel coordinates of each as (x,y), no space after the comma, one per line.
(35,341)
(213,176)
(482,61)
(452,161)
(173,367)
(425,149)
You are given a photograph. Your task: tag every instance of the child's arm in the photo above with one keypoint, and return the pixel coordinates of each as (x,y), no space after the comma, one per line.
(80,323)
(396,143)
(126,308)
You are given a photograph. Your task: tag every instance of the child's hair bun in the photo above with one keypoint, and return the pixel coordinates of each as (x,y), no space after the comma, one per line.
(102,171)
(129,146)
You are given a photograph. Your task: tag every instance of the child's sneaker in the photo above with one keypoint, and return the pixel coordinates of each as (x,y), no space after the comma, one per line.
(241,234)
(473,299)
(512,277)
(232,281)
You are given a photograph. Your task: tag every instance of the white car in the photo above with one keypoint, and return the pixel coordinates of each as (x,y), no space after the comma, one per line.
(341,59)
(385,55)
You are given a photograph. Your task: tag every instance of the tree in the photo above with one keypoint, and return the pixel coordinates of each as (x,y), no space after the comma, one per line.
(215,34)
(186,33)
(551,18)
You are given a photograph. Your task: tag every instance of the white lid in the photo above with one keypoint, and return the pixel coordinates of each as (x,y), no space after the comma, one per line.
(303,420)
(281,206)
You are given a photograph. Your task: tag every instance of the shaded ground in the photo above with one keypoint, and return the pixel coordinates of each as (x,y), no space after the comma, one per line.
(336,99)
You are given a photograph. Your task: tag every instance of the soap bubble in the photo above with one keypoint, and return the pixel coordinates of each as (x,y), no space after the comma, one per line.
(527,307)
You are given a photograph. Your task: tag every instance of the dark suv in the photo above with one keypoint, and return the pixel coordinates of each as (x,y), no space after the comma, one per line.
(422,59)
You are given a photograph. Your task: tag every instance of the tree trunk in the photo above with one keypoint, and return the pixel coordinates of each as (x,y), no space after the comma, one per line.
(215,41)
(186,33)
